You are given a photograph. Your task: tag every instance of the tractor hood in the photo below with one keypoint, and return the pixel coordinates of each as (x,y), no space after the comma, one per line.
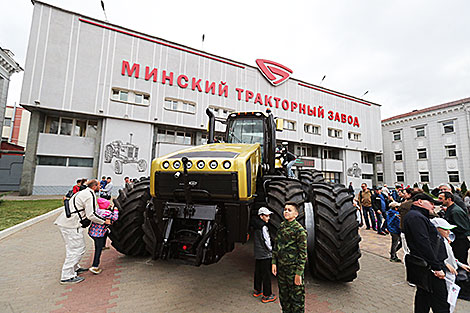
(216,163)
(215,150)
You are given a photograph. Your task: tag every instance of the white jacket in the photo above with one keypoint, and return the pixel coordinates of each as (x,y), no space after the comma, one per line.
(85,203)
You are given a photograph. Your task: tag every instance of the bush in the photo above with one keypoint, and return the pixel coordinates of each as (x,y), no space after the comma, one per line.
(426,188)
(463,188)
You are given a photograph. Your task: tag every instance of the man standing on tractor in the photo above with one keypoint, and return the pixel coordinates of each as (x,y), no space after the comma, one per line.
(288,160)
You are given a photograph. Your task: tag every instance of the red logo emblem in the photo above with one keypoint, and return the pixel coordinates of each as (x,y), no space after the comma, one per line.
(274,72)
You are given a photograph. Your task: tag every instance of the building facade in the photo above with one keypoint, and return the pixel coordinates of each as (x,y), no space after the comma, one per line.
(15,125)
(8,67)
(429,146)
(106,100)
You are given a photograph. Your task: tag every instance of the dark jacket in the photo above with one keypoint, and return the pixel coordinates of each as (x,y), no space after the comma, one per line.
(455,215)
(290,156)
(262,245)
(458,200)
(377,203)
(423,238)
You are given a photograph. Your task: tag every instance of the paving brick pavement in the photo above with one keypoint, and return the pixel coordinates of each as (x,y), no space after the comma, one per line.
(31,260)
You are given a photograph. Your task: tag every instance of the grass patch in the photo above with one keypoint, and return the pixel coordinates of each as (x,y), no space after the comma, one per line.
(13,212)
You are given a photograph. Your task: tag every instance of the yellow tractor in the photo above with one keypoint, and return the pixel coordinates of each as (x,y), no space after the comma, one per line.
(198,202)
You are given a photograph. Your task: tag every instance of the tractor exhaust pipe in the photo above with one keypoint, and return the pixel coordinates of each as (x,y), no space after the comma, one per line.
(211,126)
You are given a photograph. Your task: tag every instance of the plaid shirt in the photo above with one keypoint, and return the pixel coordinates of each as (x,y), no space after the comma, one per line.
(99,230)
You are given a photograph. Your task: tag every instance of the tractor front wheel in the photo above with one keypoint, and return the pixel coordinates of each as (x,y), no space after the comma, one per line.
(126,233)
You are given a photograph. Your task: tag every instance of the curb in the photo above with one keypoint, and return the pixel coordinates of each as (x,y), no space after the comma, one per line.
(14,229)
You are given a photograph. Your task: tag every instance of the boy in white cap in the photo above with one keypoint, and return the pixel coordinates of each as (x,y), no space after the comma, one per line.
(263,256)
(451,262)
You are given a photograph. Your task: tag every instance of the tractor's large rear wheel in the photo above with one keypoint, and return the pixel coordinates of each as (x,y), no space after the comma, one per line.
(279,192)
(336,253)
(126,233)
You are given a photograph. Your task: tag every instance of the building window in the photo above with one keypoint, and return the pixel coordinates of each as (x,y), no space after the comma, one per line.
(129,96)
(420,132)
(7,121)
(52,125)
(367,176)
(221,112)
(424,177)
(451,151)
(335,133)
(378,158)
(312,129)
(453,176)
(448,127)
(170,136)
(380,177)
(332,177)
(422,153)
(305,151)
(289,125)
(331,154)
(367,158)
(80,162)
(51,160)
(70,127)
(400,177)
(398,156)
(354,136)
(180,105)
(396,135)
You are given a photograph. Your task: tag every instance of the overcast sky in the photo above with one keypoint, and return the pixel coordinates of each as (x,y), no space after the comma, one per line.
(408,54)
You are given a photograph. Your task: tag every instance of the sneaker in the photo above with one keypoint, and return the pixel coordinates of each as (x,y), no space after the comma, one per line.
(95,270)
(81,270)
(257,293)
(382,233)
(396,260)
(73,280)
(271,298)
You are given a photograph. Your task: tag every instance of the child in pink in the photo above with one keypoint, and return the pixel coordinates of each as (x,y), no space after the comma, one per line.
(98,232)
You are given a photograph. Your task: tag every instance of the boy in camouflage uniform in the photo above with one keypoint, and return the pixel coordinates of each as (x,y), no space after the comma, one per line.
(289,257)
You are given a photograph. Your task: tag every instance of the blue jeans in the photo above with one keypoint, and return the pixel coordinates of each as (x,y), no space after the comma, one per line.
(290,172)
(368,212)
(379,221)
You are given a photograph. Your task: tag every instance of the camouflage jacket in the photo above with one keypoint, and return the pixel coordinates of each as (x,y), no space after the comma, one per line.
(290,247)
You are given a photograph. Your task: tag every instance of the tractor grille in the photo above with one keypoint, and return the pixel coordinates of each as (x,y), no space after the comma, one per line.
(203,186)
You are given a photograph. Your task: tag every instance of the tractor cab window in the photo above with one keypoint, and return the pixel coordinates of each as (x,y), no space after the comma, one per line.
(248,130)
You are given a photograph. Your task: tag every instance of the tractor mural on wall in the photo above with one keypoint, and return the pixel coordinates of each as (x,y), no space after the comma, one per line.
(125,153)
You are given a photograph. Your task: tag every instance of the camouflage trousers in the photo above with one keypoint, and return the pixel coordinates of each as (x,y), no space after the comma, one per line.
(292,297)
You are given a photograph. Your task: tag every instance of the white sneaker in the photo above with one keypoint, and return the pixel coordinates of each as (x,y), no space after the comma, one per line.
(95,270)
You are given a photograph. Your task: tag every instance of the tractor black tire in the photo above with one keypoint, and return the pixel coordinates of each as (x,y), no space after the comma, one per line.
(153,234)
(280,191)
(309,177)
(126,233)
(336,251)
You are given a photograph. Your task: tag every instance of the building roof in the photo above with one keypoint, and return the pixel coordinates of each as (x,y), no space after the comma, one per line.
(433,108)
(9,63)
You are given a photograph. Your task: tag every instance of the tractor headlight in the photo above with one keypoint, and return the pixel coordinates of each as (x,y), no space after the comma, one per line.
(166,165)
(189,164)
(226,164)
(213,164)
(200,164)
(177,164)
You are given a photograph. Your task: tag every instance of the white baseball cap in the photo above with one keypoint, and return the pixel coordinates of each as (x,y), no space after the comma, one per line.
(264,211)
(442,223)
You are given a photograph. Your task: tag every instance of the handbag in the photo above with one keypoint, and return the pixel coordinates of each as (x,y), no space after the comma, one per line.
(418,272)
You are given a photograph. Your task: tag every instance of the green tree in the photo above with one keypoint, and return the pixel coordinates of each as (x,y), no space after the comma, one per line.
(426,188)
(415,185)
(463,188)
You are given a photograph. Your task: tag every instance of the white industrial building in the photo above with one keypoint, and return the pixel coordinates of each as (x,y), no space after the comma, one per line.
(106,100)
(429,146)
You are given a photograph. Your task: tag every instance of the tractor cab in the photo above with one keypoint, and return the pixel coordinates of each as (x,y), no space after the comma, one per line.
(255,127)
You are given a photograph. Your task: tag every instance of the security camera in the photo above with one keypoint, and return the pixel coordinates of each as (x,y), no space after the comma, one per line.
(37,102)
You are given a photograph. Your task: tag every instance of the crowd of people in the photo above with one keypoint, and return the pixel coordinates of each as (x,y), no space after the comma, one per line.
(431,227)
